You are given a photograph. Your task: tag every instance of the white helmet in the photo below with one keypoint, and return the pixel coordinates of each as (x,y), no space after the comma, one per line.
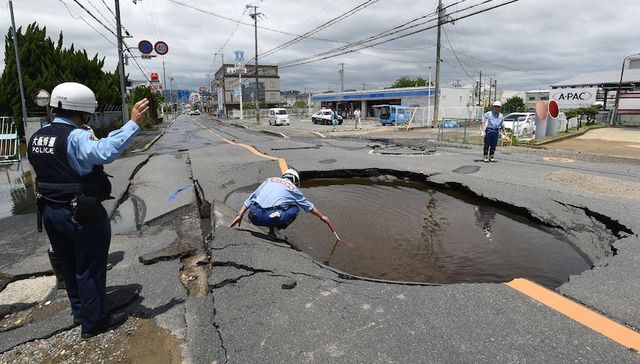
(497,103)
(73,96)
(292,176)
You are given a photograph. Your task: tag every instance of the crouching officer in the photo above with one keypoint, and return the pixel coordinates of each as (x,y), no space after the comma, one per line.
(276,203)
(71,184)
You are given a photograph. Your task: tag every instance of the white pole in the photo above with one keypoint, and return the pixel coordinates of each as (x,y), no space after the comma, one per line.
(240,86)
(428,100)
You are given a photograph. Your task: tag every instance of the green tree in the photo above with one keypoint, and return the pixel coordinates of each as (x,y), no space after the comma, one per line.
(513,104)
(300,104)
(155,99)
(408,82)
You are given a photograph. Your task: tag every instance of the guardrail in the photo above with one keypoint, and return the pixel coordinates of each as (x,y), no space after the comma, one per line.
(9,141)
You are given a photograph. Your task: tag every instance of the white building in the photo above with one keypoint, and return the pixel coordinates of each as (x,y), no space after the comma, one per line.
(455,102)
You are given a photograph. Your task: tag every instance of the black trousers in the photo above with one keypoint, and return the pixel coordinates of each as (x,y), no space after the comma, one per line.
(491,137)
(83,251)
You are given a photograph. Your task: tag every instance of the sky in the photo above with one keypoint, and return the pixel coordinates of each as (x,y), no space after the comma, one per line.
(526,45)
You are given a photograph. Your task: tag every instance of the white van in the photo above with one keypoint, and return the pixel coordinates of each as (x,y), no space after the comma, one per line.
(278,116)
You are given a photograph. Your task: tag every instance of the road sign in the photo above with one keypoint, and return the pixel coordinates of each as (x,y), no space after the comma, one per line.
(41,98)
(239,56)
(161,48)
(145,47)
(237,69)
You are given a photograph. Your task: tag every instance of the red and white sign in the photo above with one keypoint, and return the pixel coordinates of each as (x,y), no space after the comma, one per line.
(161,48)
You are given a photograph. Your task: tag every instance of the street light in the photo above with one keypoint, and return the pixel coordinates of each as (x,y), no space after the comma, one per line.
(615,108)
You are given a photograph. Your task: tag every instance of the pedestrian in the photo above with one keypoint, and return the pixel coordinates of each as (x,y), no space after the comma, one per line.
(334,119)
(276,203)
(70,186)
(356,117)
(492,123)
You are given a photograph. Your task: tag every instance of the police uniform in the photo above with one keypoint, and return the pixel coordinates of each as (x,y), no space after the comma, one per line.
(276,203)
(70,184)
(494,123)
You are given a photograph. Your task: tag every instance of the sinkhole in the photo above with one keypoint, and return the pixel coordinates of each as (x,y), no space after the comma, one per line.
(402,230)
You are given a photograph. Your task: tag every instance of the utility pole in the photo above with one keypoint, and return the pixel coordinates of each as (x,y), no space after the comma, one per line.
(341,73)
(480,90)
(429,97)
(254,16)
(18,67)
(436,106)
(123,87)
(495,90)
(490,90)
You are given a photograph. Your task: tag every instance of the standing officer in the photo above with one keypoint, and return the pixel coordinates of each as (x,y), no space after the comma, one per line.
(277,202)
(492,122)
(71,184)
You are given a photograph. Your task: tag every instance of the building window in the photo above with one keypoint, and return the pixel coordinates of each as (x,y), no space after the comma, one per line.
(544,97)
(532,98)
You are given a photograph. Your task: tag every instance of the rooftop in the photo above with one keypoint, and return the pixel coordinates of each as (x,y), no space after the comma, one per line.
(600,78)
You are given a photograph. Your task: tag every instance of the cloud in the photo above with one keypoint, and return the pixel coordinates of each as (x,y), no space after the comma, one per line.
(525,45)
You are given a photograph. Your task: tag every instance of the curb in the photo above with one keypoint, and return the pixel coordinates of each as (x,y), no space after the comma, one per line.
(318,134)
(237,125)
(274,133)
(565,137)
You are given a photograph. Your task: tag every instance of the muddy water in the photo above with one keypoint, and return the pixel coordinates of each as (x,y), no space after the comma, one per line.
(17,195)
(406,231)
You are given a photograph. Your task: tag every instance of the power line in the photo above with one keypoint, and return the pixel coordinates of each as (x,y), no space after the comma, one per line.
(110,22)
(140,68)
(456,55)
(86,22)
(363,44)
(321,27)
(245,23)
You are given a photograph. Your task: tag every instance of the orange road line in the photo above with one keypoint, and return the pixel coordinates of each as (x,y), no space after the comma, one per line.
(281,162)
(593,320)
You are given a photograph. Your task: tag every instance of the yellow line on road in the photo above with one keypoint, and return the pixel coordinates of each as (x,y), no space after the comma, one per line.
(281,162)
(593,320)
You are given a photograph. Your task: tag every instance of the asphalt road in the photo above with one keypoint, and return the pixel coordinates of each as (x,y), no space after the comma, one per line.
(243,298)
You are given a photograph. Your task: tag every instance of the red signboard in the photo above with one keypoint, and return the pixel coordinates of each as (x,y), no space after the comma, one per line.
(154,76)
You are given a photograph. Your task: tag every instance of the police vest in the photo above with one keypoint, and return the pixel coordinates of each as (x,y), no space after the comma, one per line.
(55,179)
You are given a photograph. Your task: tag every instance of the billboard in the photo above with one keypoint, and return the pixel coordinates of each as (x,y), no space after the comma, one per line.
(573,98)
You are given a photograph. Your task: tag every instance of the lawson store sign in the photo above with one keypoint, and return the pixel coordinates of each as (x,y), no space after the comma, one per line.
(572,98)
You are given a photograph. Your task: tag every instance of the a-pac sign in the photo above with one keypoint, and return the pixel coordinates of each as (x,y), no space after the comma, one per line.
(572,98)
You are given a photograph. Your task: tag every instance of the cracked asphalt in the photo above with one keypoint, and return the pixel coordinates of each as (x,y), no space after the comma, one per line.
(236,296)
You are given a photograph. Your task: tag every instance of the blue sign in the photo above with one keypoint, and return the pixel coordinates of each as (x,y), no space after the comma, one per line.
(145,47)
(239,56)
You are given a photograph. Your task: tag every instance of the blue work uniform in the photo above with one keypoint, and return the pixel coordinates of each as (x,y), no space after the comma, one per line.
(494,121)
(70,184)
(276,203)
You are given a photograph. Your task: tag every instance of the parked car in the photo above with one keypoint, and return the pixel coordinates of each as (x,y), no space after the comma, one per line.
(194,112)
(324,117)
(520,123)
(278,116)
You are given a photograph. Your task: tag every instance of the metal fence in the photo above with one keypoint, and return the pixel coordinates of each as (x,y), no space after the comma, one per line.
(9,141)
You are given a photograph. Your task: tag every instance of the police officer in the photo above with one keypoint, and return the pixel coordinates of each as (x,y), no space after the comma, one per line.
(71,184)
(276,203)
(492,122)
